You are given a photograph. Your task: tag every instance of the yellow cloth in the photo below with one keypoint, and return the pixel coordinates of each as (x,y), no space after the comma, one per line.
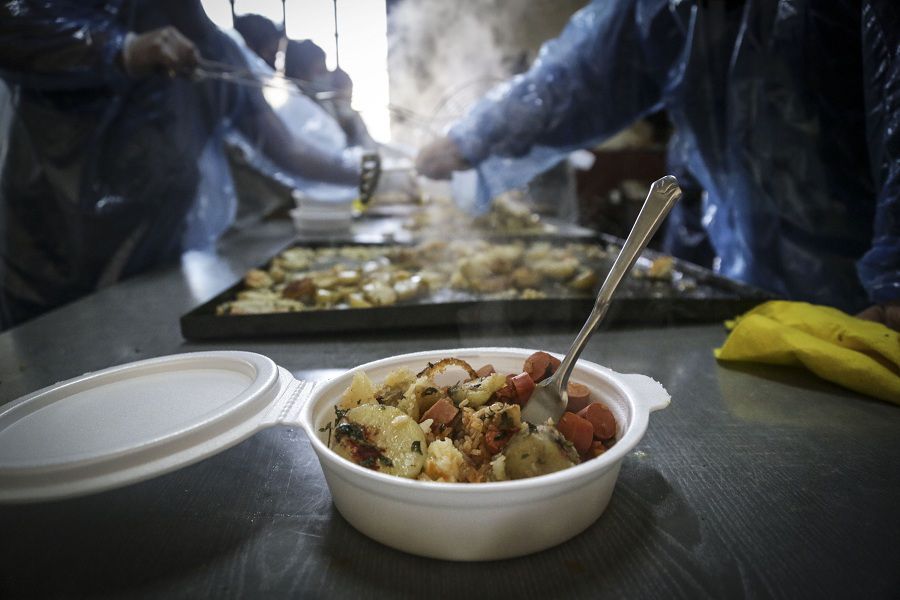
(860,355)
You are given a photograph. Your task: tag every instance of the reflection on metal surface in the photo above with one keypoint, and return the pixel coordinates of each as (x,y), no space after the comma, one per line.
(204,273)
(756,393)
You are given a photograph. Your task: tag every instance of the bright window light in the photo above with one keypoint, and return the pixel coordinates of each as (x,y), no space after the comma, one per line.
(362,36)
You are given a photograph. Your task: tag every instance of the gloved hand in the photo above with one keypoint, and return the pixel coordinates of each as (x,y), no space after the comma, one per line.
(163,49)
(440,158)
(887,314)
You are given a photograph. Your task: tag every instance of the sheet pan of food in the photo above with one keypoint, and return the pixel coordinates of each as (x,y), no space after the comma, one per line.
(320,287)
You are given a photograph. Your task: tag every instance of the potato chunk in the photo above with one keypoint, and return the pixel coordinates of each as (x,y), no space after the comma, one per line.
(538,451)
(361,391)
(477,391)
(382,438)
(443,462)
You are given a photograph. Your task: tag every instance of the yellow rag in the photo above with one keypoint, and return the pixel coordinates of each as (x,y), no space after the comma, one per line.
(860,355)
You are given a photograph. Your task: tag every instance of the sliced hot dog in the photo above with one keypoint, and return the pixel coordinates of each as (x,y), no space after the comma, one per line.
(443,412)
(540,366)
(577,430)
(523,386)
(485,371)
(602,419)
(579,397)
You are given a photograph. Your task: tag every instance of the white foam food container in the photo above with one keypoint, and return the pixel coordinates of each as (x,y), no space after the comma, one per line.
(131,422)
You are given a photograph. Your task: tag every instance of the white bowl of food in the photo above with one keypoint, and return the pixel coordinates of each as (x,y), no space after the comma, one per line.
(490,520)
(139,420)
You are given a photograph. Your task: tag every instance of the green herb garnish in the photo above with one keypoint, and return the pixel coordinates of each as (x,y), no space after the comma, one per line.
(328,429)
(353,431)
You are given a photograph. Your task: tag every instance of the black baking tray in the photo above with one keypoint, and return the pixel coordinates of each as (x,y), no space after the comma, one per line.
(637,301)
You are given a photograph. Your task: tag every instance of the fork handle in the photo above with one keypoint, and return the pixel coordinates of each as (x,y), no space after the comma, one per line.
(663,195)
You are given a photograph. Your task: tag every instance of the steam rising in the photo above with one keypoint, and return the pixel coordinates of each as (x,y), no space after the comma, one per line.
(443,56)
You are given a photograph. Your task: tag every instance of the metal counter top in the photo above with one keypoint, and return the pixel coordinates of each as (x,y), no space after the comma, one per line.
(759,482)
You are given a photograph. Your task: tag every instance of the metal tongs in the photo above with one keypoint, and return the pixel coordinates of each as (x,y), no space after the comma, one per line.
(221,71)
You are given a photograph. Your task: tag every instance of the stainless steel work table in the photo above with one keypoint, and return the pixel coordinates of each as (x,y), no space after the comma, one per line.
(756,482)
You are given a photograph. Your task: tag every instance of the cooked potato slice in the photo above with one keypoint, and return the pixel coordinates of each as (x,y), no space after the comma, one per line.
(295,259)
(358,300)
(530,294)
(410,288)
(475,268)
(379,294)
(537,251)
(558,269)
(585,280)
(394,387)
(257,279)
(276,273)
(361,391)
(443,462)
(661,268)
(538,451)
(327,297)
(478,391)
(348,277)
(255,307)
(324,280)
(262,295)
(382,438)
(523,278)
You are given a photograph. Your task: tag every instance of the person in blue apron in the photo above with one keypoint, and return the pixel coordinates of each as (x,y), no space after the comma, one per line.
(114,161)
(787,114)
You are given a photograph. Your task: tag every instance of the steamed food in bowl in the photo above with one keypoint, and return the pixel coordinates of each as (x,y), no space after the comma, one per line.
(454,423)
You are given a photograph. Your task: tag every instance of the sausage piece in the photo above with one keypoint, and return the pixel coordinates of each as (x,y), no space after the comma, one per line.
(602,419)
(443,412)
(518,389)
(540,366)
(485,371)
(577,430)
(579,397)
(523,386)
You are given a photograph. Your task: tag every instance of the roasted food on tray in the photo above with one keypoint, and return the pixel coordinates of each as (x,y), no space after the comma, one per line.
(509,214)
(302,279)
(452,423)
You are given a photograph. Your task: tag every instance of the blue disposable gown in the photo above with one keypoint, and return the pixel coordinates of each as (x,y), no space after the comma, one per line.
(787,114)
(106,175)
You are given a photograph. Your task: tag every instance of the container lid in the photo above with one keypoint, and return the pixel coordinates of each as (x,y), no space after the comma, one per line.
(131,422)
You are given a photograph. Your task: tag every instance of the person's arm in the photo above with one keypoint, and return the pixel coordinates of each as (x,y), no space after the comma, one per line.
(879,269)
(597,77)
(62,44)
(262,126)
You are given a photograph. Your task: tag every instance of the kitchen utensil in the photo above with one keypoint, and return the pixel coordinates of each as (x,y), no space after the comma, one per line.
(550,398)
